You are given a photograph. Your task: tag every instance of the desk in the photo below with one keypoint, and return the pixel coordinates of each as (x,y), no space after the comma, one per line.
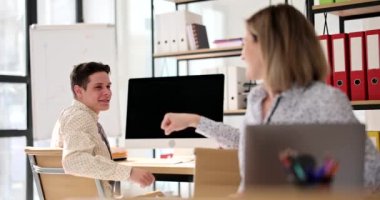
(180,172)
(290,192)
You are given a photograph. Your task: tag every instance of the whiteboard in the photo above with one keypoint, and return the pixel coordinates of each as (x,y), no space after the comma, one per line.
(54,50)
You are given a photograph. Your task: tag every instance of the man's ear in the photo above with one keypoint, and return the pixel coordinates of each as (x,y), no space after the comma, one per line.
(78,91)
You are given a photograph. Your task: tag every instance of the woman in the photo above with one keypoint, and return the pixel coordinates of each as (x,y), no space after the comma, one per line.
(281,48)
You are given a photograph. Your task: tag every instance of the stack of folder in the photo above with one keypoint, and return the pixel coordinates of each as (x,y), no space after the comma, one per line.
(355,63)
(170,33)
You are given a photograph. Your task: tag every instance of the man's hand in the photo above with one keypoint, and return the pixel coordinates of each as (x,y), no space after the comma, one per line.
(142,177)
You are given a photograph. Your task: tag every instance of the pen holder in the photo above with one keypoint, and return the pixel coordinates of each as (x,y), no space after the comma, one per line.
(302,171)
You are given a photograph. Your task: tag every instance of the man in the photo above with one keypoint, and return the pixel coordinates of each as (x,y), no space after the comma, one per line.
(86,150)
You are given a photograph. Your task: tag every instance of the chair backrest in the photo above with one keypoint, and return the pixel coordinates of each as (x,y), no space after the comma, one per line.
(53,183)
(216,172)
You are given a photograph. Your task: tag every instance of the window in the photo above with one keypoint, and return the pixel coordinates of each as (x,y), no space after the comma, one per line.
(12,37)
(12,171)
(14,131)
(99,11)
(56,12)
(13,106)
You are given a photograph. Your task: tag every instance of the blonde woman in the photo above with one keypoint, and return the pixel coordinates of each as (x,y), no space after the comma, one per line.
(281,48)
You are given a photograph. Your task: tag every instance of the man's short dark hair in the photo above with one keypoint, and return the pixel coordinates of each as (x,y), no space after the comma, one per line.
(79,75)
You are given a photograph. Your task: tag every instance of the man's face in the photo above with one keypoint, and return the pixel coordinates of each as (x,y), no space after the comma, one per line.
(98,93)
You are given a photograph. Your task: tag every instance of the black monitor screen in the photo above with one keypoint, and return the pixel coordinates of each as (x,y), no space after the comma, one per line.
(150,98)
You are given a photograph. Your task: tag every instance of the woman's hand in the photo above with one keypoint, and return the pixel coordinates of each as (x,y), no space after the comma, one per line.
(179,121)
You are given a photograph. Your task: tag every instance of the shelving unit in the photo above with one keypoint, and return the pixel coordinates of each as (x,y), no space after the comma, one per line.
(357,105)
(366,105)
(350,10)
(202,53)
(178,2)
(235,112)
(195,54)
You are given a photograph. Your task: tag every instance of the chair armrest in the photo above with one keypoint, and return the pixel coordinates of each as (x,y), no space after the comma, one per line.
(48,170)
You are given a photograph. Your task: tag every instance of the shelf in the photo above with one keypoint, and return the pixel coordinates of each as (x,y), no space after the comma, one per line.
(350,8)
(366,105)
(202,53)
(357,105)
(234,112)
(186,1)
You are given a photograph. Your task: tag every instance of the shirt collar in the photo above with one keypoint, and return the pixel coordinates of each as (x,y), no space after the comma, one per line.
(260,92)
(82,106)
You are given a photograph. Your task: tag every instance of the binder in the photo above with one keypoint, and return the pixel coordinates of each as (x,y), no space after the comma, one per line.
(172,28)
(358,66)
(197,36)
(340,62)
(322,2)
(373,64)
(157,34)
(165,27)
(325,41)
(236,79)
(374,136)
(182,19)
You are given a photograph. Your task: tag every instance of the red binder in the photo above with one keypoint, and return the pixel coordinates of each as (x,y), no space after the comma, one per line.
(340,62)
(358,66)
(325,41)
(373,64)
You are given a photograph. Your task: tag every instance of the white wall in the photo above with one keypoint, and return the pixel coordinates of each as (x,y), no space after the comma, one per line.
(134,45)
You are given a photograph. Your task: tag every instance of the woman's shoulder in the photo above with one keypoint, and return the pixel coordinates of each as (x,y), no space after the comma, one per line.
(324,93)
(330,102)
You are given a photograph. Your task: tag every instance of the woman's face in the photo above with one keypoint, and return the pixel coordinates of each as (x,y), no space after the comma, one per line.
(252,55)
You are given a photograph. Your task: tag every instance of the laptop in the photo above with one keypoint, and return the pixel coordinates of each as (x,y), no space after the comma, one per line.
(343,143)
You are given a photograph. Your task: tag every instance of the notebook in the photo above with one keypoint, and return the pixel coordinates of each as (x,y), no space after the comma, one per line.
(264,143)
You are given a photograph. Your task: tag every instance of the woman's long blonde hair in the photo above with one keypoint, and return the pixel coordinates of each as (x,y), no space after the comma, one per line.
(290,48)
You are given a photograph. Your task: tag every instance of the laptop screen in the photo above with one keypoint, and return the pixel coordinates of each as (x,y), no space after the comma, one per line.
(264,144)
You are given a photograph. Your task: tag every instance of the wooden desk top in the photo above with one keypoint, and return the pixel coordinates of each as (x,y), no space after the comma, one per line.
(185,168)
(285,193)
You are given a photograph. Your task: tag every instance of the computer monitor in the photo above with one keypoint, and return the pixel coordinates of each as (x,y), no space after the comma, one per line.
(149,99)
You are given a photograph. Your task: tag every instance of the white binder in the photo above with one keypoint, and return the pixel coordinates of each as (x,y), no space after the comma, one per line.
(157,34)
(236,79)
(184,18)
